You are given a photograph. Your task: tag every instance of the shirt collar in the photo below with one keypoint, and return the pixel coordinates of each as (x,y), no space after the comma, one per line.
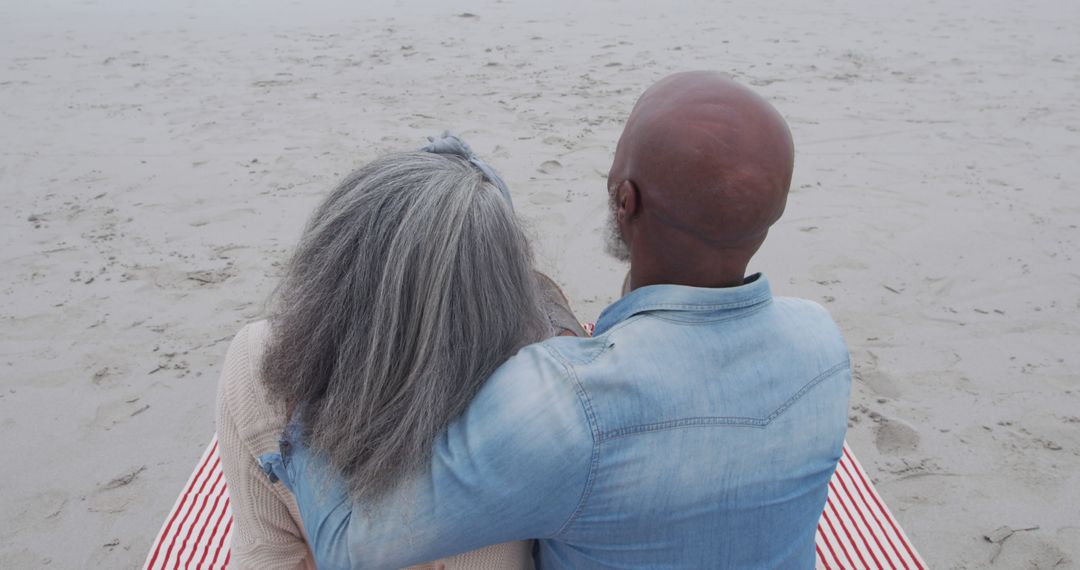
(753,291)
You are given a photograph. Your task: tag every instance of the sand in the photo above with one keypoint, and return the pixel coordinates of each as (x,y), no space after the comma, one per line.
(158,160)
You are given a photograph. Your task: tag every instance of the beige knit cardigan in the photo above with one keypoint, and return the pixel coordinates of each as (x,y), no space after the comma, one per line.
(267,532)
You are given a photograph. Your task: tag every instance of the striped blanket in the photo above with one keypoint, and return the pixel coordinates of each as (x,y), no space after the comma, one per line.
(856,530)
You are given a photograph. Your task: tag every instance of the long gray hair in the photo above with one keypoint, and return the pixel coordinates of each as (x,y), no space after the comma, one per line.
(411,284)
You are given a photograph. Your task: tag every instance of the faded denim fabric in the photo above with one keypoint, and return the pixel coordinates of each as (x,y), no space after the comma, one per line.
(698,428)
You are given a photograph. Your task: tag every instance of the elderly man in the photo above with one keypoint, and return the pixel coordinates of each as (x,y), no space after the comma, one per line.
(698,427)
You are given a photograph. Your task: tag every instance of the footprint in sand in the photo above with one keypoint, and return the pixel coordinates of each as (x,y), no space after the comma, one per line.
(868,371)
(115,496)
(111,413)
(546,198)
(549,167)
(40,510)
(894,437)
(210,277)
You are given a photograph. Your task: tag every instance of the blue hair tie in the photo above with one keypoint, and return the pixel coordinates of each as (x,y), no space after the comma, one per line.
(449,143)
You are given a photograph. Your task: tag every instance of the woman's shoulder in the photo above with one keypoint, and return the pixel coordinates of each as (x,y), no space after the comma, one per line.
(246,350)
(242,395)
(254,335)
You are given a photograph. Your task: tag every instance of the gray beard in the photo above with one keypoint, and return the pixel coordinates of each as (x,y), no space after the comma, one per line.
(614,244)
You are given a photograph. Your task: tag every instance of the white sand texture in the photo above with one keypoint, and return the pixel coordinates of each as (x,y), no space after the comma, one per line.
(158,160)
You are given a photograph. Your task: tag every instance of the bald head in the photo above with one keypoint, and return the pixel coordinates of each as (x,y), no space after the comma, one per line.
(704,165)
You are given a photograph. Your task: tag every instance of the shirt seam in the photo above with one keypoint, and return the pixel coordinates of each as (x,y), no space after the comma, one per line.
(594,460)
(723,421)
(759,300)
(703,322)
(225,402)
(244,336)
(644,315)
(728,305)
(274,486)
(252,375)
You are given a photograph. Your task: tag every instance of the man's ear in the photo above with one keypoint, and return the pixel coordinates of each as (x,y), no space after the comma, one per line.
(627,202)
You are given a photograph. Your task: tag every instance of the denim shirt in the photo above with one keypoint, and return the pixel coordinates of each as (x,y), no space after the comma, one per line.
(697,428)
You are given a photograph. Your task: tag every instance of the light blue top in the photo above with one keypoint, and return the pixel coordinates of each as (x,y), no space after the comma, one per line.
(698,428)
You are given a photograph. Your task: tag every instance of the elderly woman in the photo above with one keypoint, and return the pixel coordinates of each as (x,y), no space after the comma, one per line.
(411,284)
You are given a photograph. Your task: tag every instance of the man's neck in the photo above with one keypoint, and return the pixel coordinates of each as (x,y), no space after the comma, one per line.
(666,255)
(706,274)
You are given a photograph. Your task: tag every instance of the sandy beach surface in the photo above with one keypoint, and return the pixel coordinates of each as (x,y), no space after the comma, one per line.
(158,160)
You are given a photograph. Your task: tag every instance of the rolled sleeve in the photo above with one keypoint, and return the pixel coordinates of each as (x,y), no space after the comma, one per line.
(516,465)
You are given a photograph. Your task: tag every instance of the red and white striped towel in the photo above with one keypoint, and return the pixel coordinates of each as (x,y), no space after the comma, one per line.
(197,531)
(856,531)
